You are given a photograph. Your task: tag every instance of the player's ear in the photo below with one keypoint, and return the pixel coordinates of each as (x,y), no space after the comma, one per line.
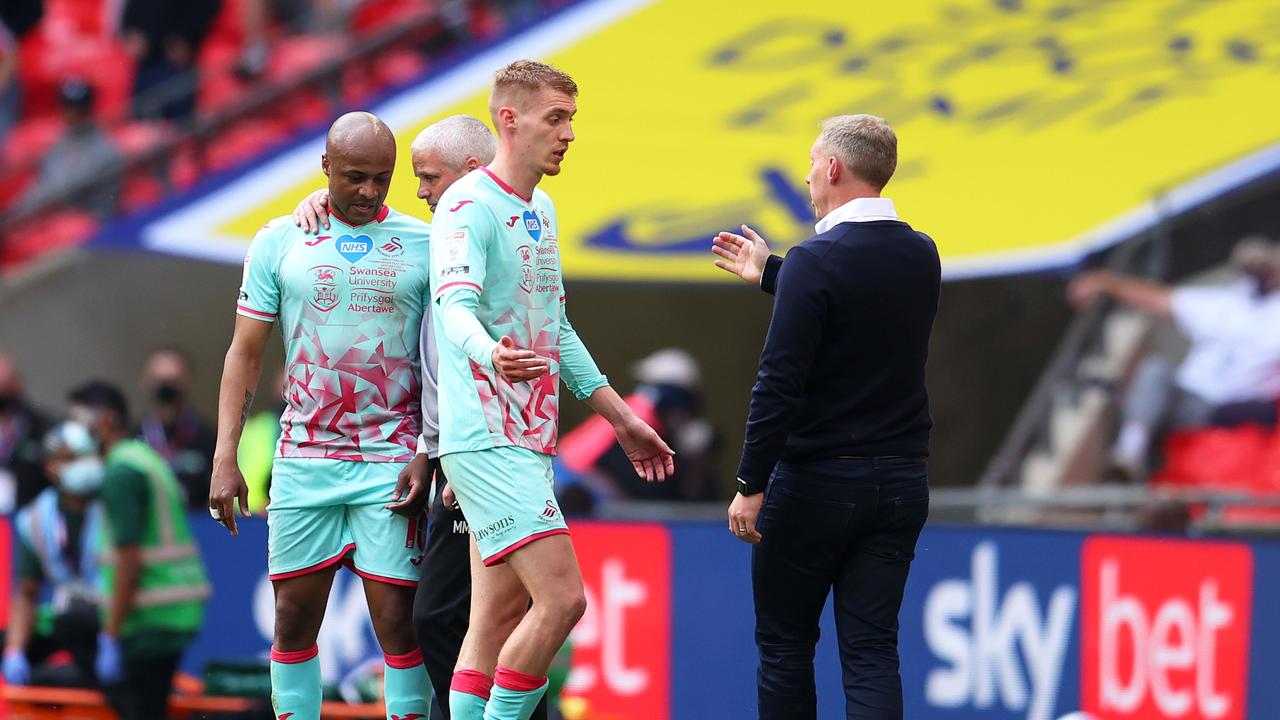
(507,116)
(471,164)
(324,164)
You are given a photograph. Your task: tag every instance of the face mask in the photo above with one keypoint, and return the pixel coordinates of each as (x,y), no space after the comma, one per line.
(82,476)
(168,393)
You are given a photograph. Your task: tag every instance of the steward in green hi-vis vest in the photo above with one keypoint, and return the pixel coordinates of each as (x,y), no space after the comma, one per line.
(172,586)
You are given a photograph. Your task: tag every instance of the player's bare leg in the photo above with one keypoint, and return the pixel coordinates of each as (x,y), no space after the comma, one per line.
(295,668)
(548,570)
(405,685)
(498,603)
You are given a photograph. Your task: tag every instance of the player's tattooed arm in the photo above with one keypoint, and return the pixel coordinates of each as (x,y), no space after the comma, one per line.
(244,409)
(240,373)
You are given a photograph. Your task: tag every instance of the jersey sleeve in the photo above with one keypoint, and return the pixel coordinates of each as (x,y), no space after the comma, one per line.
(260,286)
(459,247)
(577,368)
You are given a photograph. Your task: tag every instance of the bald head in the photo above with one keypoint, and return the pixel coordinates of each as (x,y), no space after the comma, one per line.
(359,158)
(359,132)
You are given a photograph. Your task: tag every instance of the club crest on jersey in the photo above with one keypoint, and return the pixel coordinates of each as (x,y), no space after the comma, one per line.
(324,287)
(392,248)
(526,267)
(354,248)
(532,225)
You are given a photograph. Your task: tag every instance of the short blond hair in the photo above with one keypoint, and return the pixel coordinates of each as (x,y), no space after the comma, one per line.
(522,78)
(866,145)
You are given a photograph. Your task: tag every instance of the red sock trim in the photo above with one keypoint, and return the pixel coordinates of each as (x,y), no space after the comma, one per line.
(293,657)
(408,660)
(516,680)
(471,682)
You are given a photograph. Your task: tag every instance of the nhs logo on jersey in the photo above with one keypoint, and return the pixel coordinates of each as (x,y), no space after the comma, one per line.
(354,248)
(532,226)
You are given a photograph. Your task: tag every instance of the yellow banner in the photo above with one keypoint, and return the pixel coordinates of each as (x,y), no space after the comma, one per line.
(1029,132)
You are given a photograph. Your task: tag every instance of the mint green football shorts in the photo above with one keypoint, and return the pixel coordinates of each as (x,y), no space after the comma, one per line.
(324,512)
(507,495)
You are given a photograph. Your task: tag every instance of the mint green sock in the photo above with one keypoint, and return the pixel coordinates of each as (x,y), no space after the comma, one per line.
(508,704)
(406,687)
(295,684)
(465,706)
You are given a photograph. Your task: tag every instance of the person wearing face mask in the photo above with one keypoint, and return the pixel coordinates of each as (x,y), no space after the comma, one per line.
(154,585)
(56,546)
(1231,372)
(22,472)
(172,427)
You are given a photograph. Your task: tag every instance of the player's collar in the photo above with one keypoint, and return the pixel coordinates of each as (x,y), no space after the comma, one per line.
(502,184)
(382,215)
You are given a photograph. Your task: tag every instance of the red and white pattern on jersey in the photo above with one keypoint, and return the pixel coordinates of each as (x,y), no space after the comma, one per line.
(349,400)
(526,413)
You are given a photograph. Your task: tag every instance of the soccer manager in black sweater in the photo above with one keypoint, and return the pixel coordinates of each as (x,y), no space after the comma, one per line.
(832,487)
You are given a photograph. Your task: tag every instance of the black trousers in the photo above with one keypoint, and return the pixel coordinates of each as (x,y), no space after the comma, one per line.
(144,693)
(848,525)
(442,606)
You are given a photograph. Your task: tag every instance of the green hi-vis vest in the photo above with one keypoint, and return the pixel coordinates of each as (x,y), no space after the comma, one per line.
(172,586)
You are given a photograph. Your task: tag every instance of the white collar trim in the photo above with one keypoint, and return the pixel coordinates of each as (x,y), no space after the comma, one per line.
(866,209)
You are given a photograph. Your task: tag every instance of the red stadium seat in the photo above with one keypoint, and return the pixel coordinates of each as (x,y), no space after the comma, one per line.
(47,62)
(375,15)
(400,66)
(82,17)
(53,231)
(141,189)
(242,141)
(135,138)
(294,56)
(1241,459)
(29,139)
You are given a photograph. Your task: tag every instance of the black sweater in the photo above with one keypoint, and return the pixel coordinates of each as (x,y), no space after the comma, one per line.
(842,372)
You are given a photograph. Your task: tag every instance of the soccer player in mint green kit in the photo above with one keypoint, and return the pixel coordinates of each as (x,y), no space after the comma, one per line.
(504,344)
(349,305)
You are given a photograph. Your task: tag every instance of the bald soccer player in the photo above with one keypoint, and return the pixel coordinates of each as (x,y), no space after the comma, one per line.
(350,306)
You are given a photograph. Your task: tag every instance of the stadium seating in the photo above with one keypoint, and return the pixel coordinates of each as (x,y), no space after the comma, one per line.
(1244,459)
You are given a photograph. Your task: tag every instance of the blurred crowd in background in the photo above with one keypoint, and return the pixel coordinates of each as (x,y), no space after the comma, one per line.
(107,107)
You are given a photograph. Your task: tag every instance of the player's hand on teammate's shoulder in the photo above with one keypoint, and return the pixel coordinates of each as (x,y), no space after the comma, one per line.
(515,364)
(743,255)
(413,487)
(313,212)
(226,487)
(651,457)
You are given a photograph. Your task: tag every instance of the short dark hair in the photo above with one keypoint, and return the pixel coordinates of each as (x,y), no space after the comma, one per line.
(102,395)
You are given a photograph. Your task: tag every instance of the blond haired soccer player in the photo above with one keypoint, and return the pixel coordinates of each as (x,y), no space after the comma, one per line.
(505,344)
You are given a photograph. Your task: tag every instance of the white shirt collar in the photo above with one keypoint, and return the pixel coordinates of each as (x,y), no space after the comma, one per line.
(865,209)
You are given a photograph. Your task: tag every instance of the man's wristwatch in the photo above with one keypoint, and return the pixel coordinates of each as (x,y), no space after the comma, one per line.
(746,490)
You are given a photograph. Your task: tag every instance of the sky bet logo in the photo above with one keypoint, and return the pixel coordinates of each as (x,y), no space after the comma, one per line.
(1163,634)
(1165,628)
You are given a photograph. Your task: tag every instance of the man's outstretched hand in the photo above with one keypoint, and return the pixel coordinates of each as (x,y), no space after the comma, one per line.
(743,255)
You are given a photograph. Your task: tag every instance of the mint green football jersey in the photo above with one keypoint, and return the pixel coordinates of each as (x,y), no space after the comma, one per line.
(349,304)
(489,239)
